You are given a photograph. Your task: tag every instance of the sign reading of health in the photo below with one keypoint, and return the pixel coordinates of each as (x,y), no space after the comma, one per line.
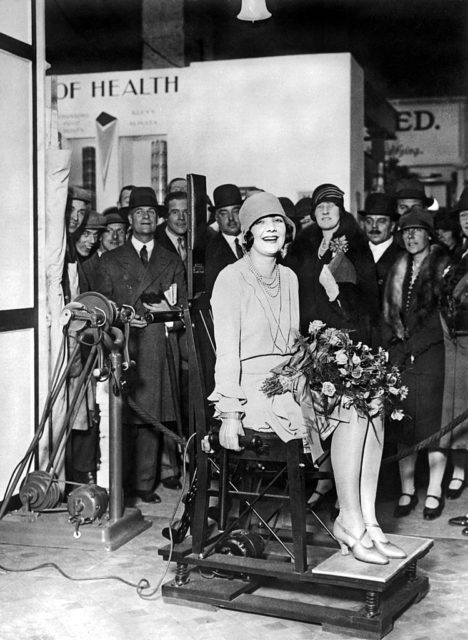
(427,134)
(116,88)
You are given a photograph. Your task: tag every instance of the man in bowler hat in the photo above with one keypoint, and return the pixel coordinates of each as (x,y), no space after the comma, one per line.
(138,269)
(408,193)
(226,246)
(380,217)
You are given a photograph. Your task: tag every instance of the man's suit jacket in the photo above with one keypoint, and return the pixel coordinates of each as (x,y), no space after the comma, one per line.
(382,269)
(90,268)
(163,239)
(218,255)
(385,263)
(123,278)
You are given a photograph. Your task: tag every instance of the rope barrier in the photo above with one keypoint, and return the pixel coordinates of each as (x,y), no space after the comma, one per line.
(154,422)
(424,444)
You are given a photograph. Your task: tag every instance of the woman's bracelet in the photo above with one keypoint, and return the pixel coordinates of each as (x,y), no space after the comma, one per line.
(234,415)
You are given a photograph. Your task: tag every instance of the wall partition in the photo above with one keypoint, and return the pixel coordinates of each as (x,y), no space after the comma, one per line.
(21,56)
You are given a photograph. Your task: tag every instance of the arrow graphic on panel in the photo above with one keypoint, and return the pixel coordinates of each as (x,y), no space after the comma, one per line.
(106,126)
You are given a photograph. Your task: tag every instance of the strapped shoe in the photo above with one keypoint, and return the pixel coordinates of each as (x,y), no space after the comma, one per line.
(402,510)
(431,513)
(348,542)
(454,493)
(385,547)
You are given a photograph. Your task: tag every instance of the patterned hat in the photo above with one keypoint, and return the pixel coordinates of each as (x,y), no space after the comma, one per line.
(327,193)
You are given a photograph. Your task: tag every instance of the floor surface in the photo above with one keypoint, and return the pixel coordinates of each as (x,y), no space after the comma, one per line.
(42,604)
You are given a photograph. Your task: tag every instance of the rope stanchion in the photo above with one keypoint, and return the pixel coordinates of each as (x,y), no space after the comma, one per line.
(424,444)
(150,419)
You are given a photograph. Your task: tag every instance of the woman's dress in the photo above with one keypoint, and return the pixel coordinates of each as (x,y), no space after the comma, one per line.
(254,332)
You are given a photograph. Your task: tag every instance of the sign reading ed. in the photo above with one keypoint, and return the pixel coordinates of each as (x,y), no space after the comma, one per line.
(429,132)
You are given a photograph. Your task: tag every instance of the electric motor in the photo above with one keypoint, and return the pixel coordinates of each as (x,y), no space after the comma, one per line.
(243,543)
(39,491)
(86,503)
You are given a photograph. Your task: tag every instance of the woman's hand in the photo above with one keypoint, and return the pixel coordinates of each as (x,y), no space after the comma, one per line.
(138,322)
(157,306)
(231,429)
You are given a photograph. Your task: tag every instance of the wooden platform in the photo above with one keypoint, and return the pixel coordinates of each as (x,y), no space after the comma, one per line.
(338,592)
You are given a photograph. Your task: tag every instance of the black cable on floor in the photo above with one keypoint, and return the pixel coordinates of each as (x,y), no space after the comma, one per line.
(149,596)
(140,586)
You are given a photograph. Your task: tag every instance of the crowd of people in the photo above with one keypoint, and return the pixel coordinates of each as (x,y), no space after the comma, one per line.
(270,270)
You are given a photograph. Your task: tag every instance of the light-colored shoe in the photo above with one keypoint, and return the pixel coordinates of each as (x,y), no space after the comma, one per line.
(348,542)
(385,547)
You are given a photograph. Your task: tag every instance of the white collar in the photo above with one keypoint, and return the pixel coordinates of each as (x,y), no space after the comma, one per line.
(138,246)
(174,237)
(379,249)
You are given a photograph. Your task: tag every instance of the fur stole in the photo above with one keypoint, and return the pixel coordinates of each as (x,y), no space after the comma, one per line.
(427,290)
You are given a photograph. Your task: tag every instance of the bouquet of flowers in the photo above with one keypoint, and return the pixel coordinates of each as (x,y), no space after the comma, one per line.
(339,370)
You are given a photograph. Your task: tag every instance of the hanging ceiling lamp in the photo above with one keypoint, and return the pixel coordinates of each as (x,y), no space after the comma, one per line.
(252,10)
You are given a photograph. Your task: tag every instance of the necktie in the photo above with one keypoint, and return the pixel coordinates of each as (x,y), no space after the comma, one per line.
(144,255)
(240,253)
(181,249)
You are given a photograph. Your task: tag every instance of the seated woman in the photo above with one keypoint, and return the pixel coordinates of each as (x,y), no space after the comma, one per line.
(256,318)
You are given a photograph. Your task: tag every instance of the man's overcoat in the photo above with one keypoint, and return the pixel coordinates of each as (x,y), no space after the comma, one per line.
(123,278)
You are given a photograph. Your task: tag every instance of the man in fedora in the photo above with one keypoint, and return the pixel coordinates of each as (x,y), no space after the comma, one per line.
(129,274)
(77,207)
(112,236)
(379,218)
(408,193)
(85,246)
(226,246)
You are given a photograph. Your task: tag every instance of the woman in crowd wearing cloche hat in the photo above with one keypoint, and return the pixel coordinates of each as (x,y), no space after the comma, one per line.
(412,316)
(455,325)
(337,281)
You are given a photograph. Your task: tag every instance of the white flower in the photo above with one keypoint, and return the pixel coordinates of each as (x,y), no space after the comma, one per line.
(328,389)
(334,340)
(397,414)
(394,391)
(403,392)
(356,359)
(341,357)
(315,326)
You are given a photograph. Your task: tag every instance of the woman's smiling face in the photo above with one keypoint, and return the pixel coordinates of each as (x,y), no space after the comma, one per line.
(269,235)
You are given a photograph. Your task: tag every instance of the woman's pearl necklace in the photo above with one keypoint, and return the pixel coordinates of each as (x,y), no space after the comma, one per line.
(271,285)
